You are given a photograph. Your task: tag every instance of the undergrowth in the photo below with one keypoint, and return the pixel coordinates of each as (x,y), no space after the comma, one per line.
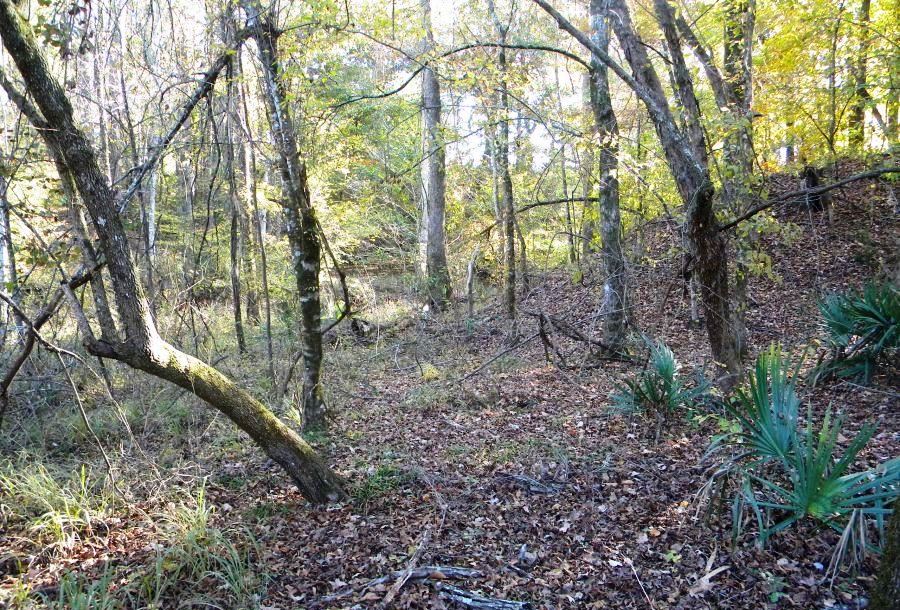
(784,473)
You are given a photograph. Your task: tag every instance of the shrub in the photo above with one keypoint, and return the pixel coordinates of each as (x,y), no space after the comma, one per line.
(863,329)
(659,389)
(785,476)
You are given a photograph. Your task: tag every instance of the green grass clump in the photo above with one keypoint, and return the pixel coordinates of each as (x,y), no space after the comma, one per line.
(59,508)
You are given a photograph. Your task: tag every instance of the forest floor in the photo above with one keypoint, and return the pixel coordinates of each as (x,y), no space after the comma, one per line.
(462,452)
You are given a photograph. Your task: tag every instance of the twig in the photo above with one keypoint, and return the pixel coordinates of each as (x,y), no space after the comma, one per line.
(473,600)
(411,565)
(499,355)
(422,573)
(84,418)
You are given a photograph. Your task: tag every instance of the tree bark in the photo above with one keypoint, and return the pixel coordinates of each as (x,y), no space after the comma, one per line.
(143,348)
(501,151)
(886,590)
(738,148)
(563,174)
(856,119)
(433,247)
(236,234)
(607,132)
(8,276)
(589,215)
(300,218)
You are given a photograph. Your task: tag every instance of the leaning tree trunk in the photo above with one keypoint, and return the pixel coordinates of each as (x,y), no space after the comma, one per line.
(886,590)
(300,218)
(607,131)
(143,348)
(434,249)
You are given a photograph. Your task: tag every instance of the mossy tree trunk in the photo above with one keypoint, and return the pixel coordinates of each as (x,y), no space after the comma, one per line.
(300,217)
(433,253)
(139,345)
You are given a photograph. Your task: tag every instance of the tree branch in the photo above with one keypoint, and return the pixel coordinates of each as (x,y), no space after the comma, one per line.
(813,191)
(207,81)
(475,45)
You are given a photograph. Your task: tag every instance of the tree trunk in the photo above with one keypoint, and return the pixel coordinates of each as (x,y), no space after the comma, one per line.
(507,202)
(589,215)
(738,148)
(434,249)
(235,241)
(300,219)
(563,174)
(886,590)
(607,132)
(856,118)
(142,347)
(252,203)
(8,277)
(892,105)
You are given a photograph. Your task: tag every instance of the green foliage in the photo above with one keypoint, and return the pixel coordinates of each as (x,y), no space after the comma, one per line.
(767,411)
(79,593)
(380,481)
(57,508)
(863,328)
(659,389)
(786,476)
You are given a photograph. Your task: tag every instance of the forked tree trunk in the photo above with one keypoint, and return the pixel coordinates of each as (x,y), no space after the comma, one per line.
(143,348)
(433,247)
(607,132)
(300,218)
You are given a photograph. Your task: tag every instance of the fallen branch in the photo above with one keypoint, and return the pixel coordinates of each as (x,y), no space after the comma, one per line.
(473,600)
(399,583)
(528,484)
(575,334)
(437,573)
(802,192)
(500,355)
